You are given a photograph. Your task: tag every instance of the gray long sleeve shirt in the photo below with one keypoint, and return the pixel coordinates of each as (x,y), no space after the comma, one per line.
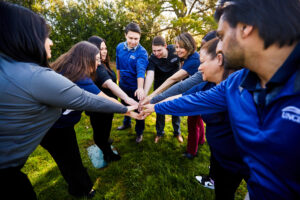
(31,98)
(179,87)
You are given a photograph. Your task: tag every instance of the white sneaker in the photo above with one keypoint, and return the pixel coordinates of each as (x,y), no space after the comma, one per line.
(206,182)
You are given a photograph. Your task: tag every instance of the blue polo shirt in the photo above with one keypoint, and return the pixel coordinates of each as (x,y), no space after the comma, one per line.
(69,117)
(132,64)
(191,64)
(266,125)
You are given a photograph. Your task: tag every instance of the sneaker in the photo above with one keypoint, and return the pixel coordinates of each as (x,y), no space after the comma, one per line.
(139,139)
(110,157)
(206,181)
(188,155)
(123,127)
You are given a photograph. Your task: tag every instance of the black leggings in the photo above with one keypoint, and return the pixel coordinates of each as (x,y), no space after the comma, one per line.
(101,123)
(15,185)
(62,144)
(226,181)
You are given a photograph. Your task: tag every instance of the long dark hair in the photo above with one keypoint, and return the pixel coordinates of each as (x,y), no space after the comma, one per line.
(78,63)
(23,34)
(96,40)
(210,48)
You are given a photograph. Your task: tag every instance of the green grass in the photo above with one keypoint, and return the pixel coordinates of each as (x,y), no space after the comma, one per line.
(146,170)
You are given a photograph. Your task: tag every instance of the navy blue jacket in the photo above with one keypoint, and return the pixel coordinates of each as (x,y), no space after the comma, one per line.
(268,135)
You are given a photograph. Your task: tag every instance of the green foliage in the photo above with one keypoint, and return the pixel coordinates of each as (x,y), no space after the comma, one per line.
(76,20)
(146,171)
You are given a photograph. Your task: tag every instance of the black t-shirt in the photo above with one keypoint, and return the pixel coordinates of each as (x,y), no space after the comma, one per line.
(102,75)
(164,67)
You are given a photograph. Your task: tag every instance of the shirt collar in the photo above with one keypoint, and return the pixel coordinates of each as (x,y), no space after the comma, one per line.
(130,49)
(289,67)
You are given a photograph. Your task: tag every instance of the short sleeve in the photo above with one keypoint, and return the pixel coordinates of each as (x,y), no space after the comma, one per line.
(151,65)
(191,64)
(88,85)
(102,75)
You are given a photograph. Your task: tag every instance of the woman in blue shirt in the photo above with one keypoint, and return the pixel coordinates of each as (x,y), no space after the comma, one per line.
(185,46)
(227,168)
(79,65)
(106,81)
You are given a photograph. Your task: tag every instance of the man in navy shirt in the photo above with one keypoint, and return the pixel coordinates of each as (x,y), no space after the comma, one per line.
(163,63)
(132,61)
(263,100)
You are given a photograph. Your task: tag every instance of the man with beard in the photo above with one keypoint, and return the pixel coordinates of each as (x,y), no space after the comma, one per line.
(263,100)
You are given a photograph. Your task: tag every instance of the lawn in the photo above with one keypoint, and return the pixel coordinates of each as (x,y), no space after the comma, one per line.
(146,170)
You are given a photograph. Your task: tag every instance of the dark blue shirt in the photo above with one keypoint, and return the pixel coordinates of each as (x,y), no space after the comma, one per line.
(71,117)
(191,64)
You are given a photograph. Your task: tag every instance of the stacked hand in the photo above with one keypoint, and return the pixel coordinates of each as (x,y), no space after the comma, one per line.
(144,108)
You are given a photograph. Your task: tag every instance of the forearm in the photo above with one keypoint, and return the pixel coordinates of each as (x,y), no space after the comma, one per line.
(140,83)
(181,74)
(171,98)
(116,90)
(179,87)
(148,81)
(102,94)
(190,105)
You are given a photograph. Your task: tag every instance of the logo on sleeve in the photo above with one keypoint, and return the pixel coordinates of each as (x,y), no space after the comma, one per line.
(291,113)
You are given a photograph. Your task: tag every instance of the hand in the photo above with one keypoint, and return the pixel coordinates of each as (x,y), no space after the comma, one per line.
(131,108)
(130,101)
(147,110)
(139,93)
(135,115)
(146,100)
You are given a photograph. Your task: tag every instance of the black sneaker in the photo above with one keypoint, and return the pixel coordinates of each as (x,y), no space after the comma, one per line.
(111,157)
(206,181)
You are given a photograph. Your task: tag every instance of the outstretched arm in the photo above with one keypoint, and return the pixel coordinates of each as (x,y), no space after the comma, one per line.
(207,102)
(179,87)
(116,90)
(148,81)
(179,75)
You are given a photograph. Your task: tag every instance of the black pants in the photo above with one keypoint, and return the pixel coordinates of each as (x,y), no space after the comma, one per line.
(226,182)
(15,185)
(61,143)
(160,124)
(140,124)
(101,123)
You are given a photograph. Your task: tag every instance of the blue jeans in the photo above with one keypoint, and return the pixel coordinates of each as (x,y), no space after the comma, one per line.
(160,124)
(140,124)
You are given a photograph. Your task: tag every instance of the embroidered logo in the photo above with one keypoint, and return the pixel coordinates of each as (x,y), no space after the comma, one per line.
(291,113)
(132,57)
(173,60)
